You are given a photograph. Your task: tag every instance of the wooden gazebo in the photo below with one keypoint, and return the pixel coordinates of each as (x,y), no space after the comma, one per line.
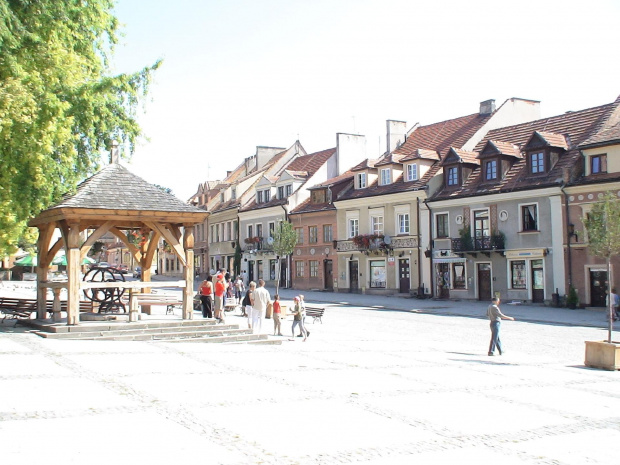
(115,200)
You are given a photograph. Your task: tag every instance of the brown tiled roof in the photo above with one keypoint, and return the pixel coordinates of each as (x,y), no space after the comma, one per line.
(309,207)
(439,137)
(310,163)
(335,180)
(364,165)
(574,127)
(421,153)
(389,159)
(501,148)
(554,140)
(608,133)
(460,156)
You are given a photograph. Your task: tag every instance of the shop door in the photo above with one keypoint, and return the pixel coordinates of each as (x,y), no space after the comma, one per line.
(353,276)
(403,273)
(443,280)
(484,281)
(538,282)
(250,271)
(329,275)
(283,271)
(598,288)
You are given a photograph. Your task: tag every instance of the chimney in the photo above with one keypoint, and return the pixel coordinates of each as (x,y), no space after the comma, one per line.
(114,153)
(396,134)
(264,154)
(350,150)
(487,107)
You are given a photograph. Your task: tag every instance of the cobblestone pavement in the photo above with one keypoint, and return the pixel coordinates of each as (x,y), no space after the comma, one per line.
(370,386)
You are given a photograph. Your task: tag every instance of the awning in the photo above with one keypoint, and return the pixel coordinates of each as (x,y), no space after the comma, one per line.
(449,260)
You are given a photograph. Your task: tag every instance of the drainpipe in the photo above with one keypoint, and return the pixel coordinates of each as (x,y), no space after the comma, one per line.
(430,235)
(568,249)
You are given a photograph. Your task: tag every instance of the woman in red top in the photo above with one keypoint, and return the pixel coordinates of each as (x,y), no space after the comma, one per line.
(206,289)
(276,315)
(220,288)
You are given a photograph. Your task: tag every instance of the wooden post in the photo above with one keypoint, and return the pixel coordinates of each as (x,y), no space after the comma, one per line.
(42,269)
(56,309)
(73,273)
(188,291)
(133,306)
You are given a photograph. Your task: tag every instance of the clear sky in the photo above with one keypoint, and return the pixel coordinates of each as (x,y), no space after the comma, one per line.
(242,73)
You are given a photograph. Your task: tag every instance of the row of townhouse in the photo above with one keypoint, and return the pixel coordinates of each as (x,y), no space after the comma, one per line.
(470,207)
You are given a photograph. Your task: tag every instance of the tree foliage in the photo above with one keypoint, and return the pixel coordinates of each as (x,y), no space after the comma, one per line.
(59,105)
(284,241)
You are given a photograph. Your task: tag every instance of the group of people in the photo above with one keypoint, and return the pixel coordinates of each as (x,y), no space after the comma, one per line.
(254,302)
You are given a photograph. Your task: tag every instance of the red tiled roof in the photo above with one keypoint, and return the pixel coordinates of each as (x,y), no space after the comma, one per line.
(574,126)
(554,140)
(609,132)
(309,207)
(439,137)
(463,156)
(368,163)
(335,180)
(310,163)
(503,148)
(421,153)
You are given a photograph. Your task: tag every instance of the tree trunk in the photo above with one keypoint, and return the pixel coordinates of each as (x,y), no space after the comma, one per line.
(610,306)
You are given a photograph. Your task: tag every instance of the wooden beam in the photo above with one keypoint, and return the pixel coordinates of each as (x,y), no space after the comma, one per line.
(132,248)
(169,236)
(188,292)
(94,237)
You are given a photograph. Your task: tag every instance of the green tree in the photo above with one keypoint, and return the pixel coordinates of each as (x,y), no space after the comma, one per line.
(59,104)
(284,241)
(603,227)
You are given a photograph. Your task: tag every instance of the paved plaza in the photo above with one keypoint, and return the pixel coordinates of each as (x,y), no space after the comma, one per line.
(382,381)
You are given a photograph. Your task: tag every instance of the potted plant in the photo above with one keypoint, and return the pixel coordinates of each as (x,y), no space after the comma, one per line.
(572,299)
(603,227)
(467,243)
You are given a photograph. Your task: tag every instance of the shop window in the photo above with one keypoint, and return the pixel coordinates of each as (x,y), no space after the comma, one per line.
(518,274)
(377,274)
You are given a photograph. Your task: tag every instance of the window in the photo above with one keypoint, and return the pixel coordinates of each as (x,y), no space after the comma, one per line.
(318,196)
(458,276)
(537,162)
(233,193)
(453,176)
(529,218)
(250,231)
(353,227)
(212,235)
(221,197)
(289,190)
(314,268)
(217,232)
(281,192)
(490,171)
(377,273)
(300,235)
(518,274)
(313,234)
(481,230)
(228,231)
(259,230)
(272,269)
(259,197)
(259,269)
(441,222)
(361,180)
(376,224)
(385,176)
(598,164)
(327,233)
(263,196)
(272,228)
(299,269)
(412,172)
(403,223)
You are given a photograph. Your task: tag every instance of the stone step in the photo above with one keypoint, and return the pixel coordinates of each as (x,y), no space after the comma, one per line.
(237,336)
(230,339)
(115,326)
(148,333)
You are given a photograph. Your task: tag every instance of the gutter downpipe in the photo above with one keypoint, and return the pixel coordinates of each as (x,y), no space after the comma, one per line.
(568,249)
(430,235)
(288,257)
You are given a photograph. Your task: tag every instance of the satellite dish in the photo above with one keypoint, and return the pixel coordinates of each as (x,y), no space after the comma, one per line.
(387,240)
(270,240)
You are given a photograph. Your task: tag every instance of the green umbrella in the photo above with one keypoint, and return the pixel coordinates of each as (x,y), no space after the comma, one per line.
(28,260)
(62,260)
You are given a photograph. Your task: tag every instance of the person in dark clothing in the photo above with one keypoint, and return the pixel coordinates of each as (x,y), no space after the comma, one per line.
(206,290)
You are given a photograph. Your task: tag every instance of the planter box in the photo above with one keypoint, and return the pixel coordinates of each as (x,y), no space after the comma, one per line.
(605,355)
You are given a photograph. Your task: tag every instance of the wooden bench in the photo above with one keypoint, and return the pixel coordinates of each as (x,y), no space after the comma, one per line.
(24,308)
(315,312)
(169,300)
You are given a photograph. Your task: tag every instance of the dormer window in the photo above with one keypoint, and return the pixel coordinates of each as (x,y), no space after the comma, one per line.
(537,162)
(221,197)
(318,196)
(361,180)
(233,193)
(386,177)
(289,189)
(263,196)
(598,164)
(453,176)
(412,172)
(490,170)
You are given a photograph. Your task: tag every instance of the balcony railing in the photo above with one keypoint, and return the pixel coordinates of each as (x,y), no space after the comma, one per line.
(395,243)
(485,243)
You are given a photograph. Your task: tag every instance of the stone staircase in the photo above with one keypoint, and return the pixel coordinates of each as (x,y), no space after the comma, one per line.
(166,331)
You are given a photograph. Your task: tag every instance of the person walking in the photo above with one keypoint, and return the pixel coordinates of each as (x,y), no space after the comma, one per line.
(299,313)
(302,304)
(615,304)
(277,310)
(220,289)
(239,288)
(261,300)
(248,303)
(205,290)
(495,315)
